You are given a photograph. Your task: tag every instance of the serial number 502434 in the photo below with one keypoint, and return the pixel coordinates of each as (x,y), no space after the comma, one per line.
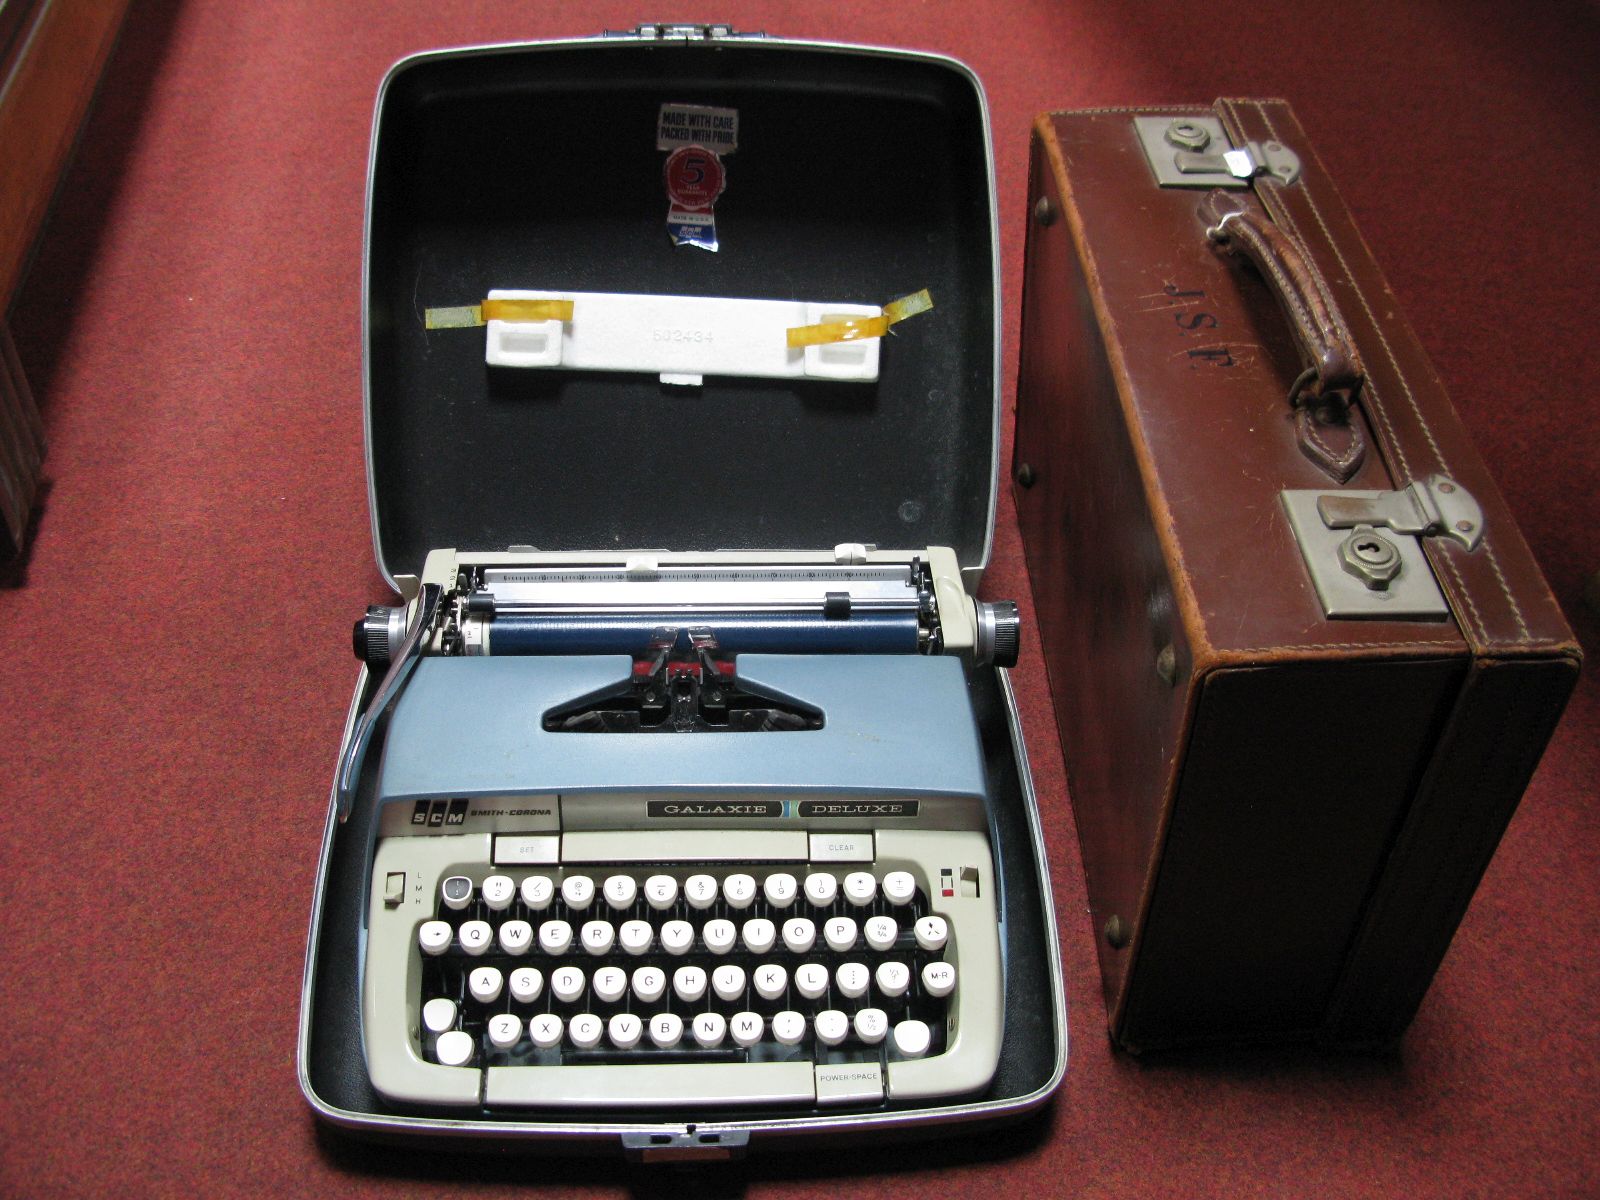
(682,335)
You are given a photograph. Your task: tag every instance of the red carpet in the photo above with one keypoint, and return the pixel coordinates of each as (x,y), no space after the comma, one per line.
(173,659)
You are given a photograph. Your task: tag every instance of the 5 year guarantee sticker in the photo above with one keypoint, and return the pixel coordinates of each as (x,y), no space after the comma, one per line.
(695,177)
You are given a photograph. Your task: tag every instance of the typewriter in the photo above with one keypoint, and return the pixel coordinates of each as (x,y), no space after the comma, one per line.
(679,831)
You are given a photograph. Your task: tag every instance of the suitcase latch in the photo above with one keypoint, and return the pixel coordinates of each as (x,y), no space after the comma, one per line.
(1194,152)
(1364,550)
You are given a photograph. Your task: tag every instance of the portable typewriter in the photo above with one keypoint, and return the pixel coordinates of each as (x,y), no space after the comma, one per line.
(677,830)
(683,799)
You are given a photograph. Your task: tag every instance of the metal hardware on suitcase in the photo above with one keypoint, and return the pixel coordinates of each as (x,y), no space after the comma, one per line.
(682,806)
(1302,659)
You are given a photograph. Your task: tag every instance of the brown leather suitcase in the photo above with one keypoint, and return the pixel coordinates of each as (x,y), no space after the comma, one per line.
(1302,659)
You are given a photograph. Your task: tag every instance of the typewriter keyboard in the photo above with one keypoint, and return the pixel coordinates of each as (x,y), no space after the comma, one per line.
(688,984)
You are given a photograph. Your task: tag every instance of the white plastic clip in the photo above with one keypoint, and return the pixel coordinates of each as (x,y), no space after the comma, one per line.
(680,338)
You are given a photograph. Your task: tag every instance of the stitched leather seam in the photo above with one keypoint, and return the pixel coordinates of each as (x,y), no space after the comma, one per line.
(1315,439)
(1145,108)
(1311,203)
(1280,276)
(1505,588)
(1343,646)
(1370,391)
(1488,548)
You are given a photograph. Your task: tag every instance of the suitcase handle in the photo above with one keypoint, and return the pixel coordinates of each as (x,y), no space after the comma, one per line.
(1332,381)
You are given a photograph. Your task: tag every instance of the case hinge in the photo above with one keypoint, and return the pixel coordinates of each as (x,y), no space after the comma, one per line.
(1364,551)
(673,31)
(1194,152)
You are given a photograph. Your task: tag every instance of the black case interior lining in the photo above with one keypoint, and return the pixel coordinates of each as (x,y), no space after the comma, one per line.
(858,178)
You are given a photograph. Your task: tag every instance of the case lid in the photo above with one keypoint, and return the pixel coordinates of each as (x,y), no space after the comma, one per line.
(860,175)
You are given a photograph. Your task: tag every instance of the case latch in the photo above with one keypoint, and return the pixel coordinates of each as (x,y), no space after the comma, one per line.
(686,1145)
(1363,548)
(1193,152)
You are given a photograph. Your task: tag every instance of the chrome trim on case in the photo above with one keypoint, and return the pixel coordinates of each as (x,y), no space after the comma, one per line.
(614,1133)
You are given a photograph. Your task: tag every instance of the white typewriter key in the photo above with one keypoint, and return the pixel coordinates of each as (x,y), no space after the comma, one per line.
(899,887)
(516,937)
(666,1030)
(720,935)
(610,983)
(799,934)
(821,888)
(455,1048)
(832,1026)
(893,979)
(438,1015)
(498,892)
(567,983)
(661,891)
(780,889)
(739,890)
(620,890)
(788,1027)
(577,891)
(435,937)
(911,1038)
(771,980)
(938,979)
(485,984)
(853,979)
(811,979)
(860,887)
(870,1025)
(476,936)
(746,1028)
(624,1030)
(585,1030)
(598,936)
(545,1029)
(636,936)
(759,934)
(649,983)
(728,982)
(689,983)
(505,1030)
(700,891)
(839,932)
(881,932)
(456,892)
(709,1029)
(677,937)
(555,937)
(537,892)
(932,933)
(526,984)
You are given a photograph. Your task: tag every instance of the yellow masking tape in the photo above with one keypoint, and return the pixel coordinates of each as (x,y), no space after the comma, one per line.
(853,329)
(466,316)
(527,310)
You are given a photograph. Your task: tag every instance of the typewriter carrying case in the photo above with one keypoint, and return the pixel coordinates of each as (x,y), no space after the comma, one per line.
(1303,661)
(859,172)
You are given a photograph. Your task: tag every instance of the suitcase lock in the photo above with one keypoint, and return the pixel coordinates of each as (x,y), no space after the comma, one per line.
(1363,549)
(1194,152)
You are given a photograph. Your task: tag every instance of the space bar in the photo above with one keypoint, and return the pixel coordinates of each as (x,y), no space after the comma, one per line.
(650,1085)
